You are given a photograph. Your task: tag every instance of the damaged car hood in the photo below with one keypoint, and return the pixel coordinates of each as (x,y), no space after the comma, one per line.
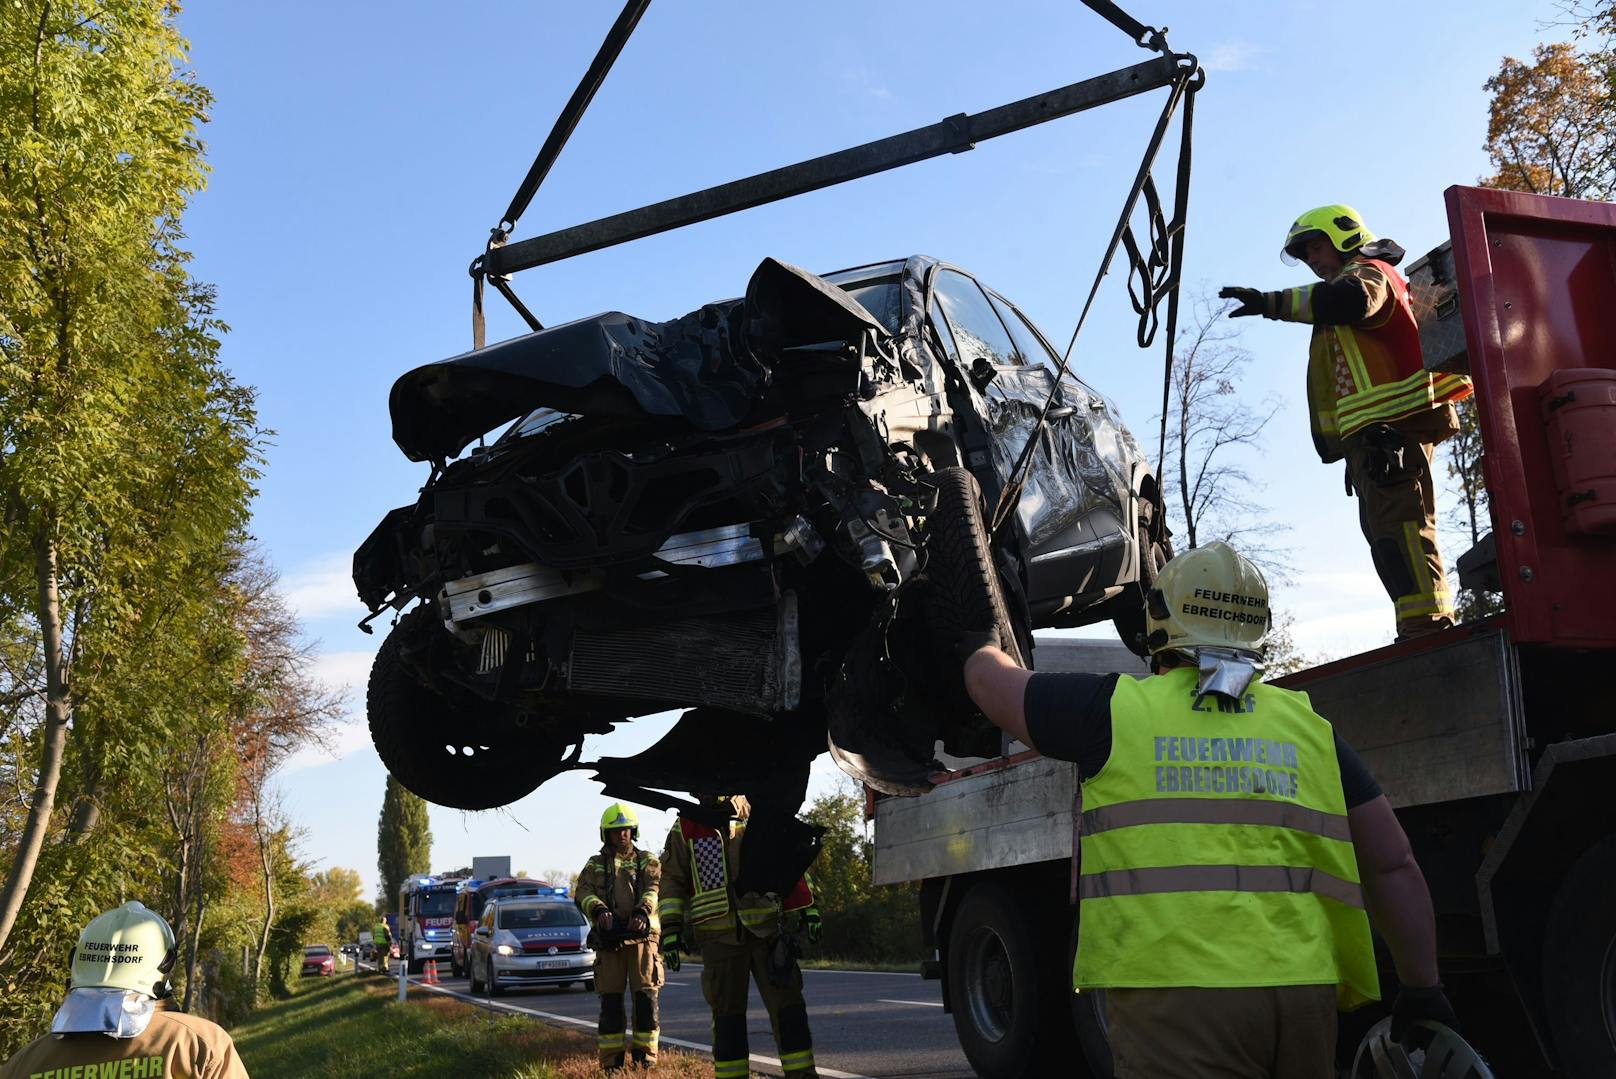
(706,368)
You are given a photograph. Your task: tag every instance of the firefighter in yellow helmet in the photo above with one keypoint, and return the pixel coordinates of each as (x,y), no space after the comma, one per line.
(1371,399)
(617,891)
(118,1013)
(1230,840)
(742,937)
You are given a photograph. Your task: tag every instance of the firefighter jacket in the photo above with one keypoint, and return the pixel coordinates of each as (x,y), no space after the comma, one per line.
(1215,850)
(1372,370)
(626,886)
(173,1046)
(699,863)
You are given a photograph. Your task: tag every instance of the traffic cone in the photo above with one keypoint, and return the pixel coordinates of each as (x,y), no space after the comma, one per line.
(431,973)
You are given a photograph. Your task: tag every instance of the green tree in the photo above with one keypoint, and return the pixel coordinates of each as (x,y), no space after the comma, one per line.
(403,840)
(862,921)
(127,454)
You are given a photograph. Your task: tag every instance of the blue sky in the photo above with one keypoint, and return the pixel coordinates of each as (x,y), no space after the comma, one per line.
(360,152)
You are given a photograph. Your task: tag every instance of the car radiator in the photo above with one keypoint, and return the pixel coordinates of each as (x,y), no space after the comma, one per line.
(748,661)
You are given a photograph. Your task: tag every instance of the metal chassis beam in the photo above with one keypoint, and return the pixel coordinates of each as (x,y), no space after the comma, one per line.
(953,135)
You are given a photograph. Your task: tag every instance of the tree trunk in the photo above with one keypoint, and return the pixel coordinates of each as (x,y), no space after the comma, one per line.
(58,714)
(264,858)
(192,946)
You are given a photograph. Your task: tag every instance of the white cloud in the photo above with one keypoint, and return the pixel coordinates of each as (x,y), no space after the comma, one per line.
(1233,56)
(323,587)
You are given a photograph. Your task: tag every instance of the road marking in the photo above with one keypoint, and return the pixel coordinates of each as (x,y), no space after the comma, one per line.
(590,1024)
(917,1003)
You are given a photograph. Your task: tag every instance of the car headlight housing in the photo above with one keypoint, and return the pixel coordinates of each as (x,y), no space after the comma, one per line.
(504,949)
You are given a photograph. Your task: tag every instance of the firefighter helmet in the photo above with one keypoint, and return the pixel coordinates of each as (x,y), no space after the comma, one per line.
(1209,597)
(617,816)
(1432,1052)
(1341,225)
(128,947)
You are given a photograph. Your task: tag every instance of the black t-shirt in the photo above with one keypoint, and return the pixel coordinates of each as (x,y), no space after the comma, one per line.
(1069,719)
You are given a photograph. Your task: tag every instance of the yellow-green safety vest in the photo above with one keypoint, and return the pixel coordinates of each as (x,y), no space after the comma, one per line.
(1215,850)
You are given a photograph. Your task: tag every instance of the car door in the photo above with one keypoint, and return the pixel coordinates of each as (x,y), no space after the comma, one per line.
(1067,515)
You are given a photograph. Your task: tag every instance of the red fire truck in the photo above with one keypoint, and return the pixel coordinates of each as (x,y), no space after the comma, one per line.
(1496,740)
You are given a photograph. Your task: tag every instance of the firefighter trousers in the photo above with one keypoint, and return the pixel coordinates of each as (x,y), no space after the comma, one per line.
(1287,1032)
(728,965)
(1397,511)
(636,967)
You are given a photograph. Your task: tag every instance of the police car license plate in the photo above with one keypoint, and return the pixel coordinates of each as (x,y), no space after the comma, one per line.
(553,964)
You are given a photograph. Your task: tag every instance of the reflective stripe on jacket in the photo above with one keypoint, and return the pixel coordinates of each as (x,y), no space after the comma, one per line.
(1372,372)
(700,864)
(1215,850)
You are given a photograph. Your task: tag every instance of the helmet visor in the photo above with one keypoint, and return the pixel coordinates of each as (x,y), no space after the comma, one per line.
(1295,249)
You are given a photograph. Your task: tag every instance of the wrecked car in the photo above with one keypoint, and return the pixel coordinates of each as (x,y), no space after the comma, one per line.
(750,513)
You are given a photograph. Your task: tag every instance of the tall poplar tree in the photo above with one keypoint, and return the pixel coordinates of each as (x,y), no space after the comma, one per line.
(403,840)
(127,453)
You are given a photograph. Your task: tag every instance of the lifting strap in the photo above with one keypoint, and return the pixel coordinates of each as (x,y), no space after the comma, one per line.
(1159,274)
(565,124)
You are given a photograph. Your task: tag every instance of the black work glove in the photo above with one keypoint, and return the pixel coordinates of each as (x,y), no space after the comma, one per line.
(1346,476)
(670,950)
(1413,1005)
(1252,301)
(972,641)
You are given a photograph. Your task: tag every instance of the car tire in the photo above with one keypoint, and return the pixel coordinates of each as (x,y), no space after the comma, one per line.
(494,988)
(1579,965)
(411,724)
(589,985)
(966,595)
(1128,609)
(473,983)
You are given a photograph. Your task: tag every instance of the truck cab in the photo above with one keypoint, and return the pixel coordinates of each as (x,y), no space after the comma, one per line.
(426,920)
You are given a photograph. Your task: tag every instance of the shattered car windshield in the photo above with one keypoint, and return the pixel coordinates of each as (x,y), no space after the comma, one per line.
(876,288)
(534,422)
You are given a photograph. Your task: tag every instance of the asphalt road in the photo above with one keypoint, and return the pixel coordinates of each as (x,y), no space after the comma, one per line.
(866,1025)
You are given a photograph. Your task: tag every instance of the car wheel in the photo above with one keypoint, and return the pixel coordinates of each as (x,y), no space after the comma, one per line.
(1128,609)
(966,595)
(475,984)
(589,985)
(494,988)
(1579,965)
(425,738)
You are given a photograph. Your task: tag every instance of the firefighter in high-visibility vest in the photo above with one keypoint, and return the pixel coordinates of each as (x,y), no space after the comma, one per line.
(119,1017)
(1371,399)
(617,891)
(381,942)
(742,938)
(1231,842)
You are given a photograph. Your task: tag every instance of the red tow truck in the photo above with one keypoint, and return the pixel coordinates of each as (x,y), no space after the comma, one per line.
(1495,740)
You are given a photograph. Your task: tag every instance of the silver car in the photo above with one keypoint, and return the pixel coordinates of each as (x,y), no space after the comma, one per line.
(530,940)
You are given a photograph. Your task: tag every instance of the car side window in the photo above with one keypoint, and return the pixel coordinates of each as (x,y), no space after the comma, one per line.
(1029,346)
(978,333)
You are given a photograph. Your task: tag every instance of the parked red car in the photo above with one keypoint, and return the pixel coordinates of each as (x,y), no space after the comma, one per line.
(317,959)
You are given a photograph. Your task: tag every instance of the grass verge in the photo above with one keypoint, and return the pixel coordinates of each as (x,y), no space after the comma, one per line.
(832,963)
(353,1028)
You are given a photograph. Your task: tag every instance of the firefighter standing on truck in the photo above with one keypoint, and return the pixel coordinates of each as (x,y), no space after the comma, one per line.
(119,1017)
(741,937)
(1229,841)
(1371,399)
(617,891)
